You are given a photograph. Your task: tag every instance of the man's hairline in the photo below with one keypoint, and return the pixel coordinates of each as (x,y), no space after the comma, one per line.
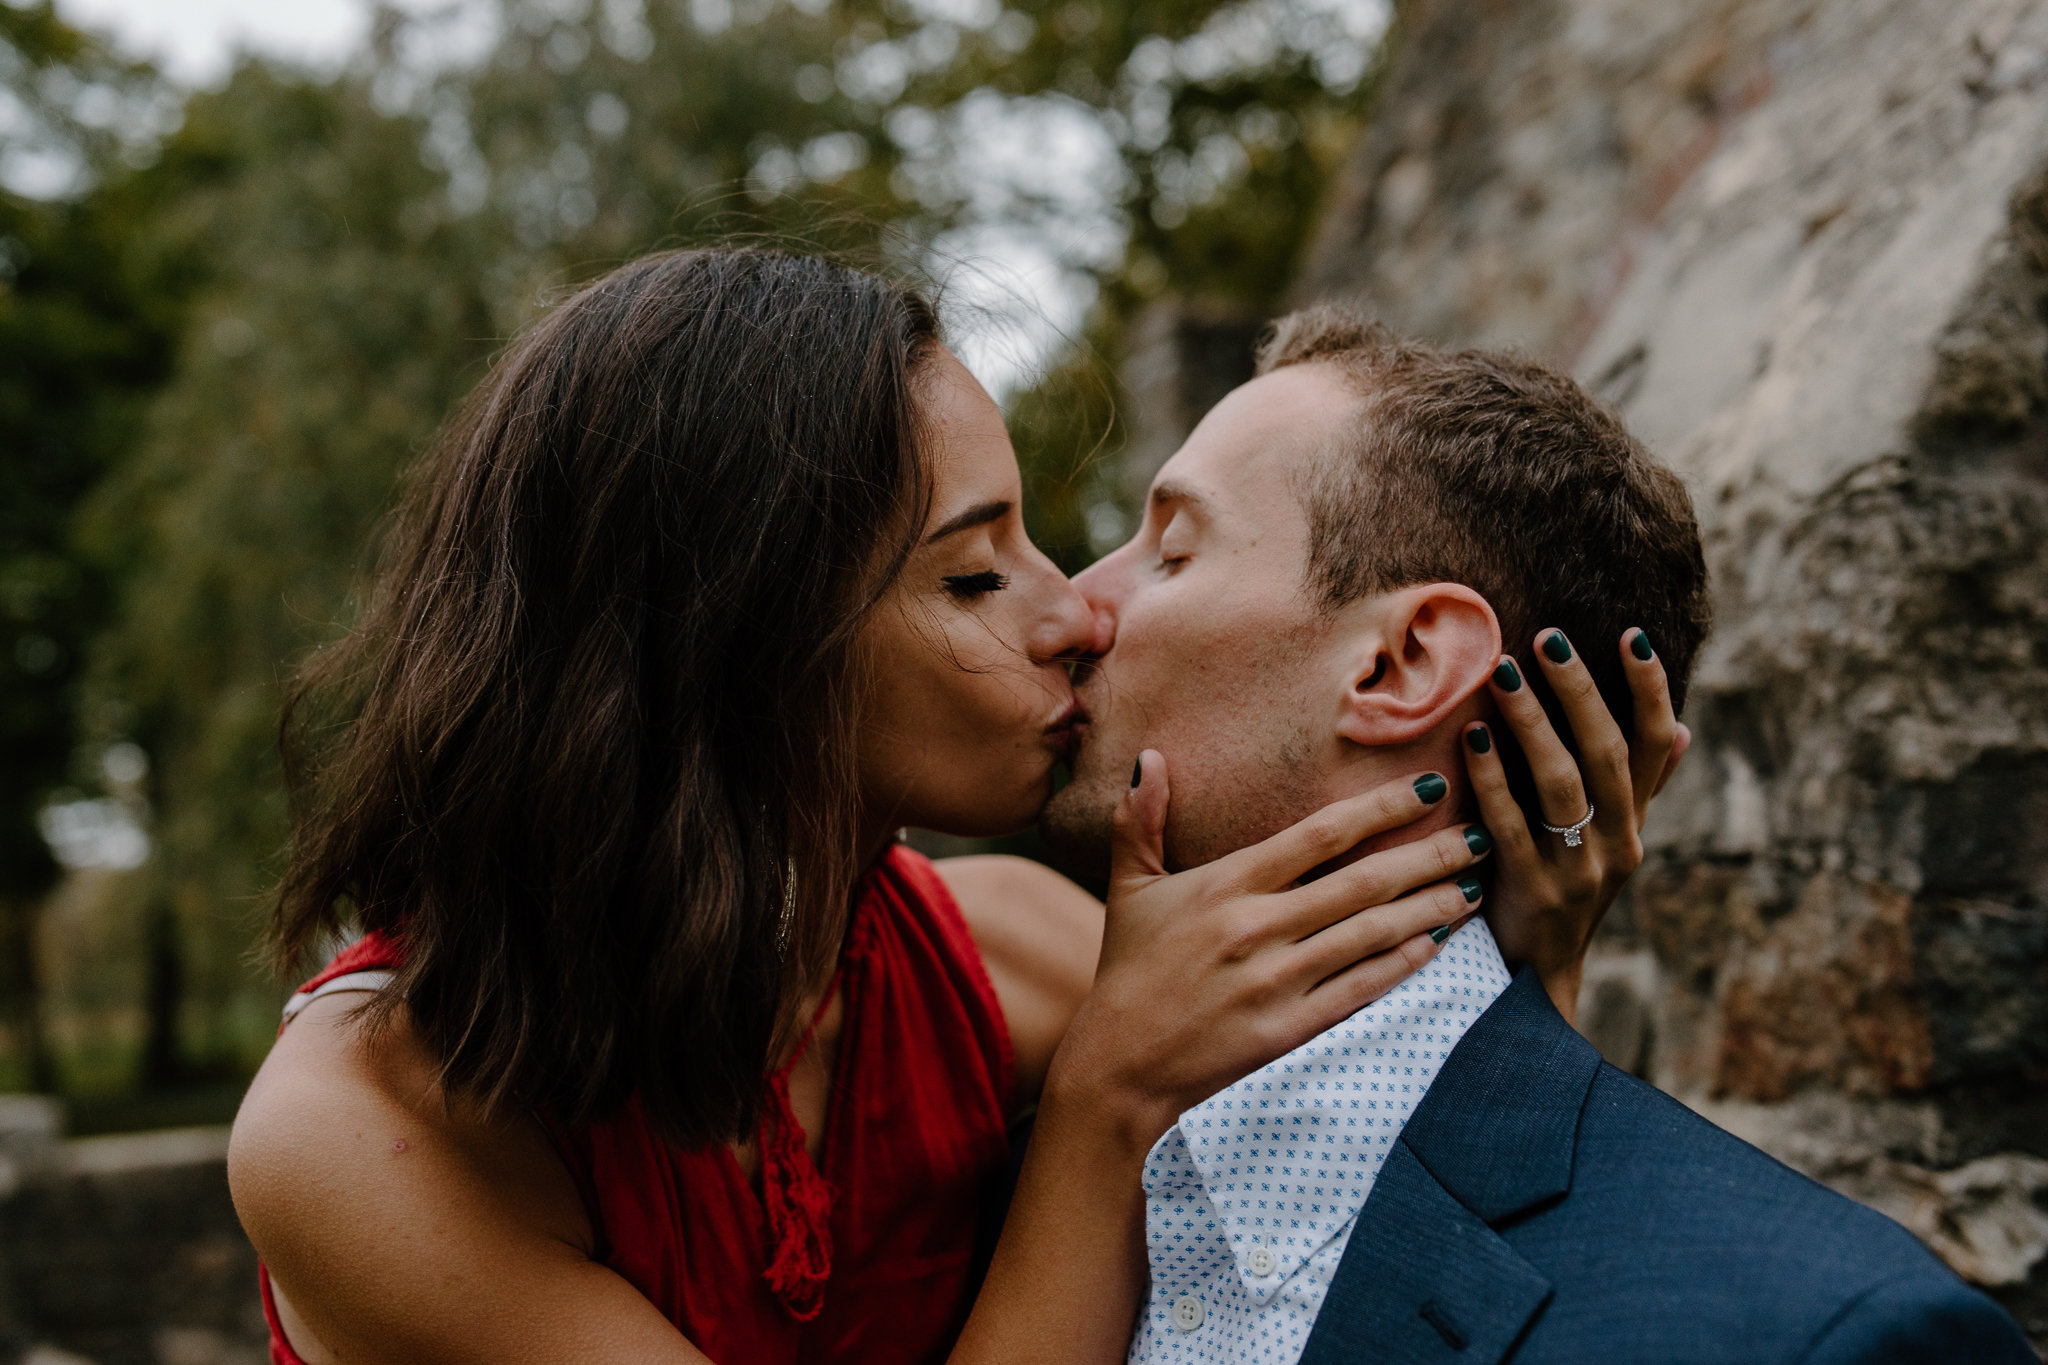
(1346,428)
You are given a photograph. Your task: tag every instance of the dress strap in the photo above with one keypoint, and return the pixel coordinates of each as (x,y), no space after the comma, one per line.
(797,1199)
(335,985)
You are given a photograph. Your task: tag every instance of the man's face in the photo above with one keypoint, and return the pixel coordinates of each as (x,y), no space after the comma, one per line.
(1221,661)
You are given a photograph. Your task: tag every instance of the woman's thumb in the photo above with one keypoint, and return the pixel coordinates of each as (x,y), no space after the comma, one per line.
(1137,851)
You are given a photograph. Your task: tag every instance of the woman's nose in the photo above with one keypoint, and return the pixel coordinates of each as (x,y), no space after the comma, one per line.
(1071,629)
(1097,586)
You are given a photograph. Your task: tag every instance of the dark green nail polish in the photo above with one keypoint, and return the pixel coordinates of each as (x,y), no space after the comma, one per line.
(1439,935)
(1138,772)
(1507,677)
(1480,741)
(1477,839)
(1431,788)
(1471,888)
(1640,646)
(1558,648)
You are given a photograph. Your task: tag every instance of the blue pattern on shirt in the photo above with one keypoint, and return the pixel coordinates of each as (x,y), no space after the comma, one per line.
(1285,1159)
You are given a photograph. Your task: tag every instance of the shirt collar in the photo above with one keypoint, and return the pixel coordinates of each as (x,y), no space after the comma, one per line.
(1288,1155)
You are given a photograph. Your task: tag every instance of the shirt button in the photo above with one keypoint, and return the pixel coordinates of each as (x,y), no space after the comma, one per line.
(1187,1312)
(1263,1261)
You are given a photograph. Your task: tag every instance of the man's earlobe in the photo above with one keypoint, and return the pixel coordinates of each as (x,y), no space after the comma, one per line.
(1428,649)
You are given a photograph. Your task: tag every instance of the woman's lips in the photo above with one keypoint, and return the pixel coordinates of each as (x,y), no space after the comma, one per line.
(1063,735)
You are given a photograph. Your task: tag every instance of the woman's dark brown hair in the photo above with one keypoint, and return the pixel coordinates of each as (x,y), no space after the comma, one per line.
(596,723)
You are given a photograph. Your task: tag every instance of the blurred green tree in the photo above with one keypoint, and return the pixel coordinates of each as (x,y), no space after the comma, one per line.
(81,346)
(336,313)
(1227,121)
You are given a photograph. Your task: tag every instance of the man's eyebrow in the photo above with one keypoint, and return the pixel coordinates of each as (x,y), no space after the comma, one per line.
(981,514)
(1173,491)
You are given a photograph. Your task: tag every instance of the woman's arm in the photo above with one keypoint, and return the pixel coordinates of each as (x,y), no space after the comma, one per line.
(1039,936)
(396,1229)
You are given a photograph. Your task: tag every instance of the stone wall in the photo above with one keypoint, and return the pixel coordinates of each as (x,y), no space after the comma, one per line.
(121,1250)
(1803,246)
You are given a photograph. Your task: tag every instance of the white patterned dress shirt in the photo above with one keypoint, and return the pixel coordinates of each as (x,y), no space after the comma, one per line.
(1251,1198)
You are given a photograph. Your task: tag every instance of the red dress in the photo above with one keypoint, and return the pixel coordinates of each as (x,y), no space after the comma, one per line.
(873,1263)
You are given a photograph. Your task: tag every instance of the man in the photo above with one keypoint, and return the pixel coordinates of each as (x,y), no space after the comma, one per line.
(1317,602)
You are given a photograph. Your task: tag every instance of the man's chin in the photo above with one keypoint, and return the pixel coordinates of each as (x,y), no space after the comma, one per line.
(1075,826)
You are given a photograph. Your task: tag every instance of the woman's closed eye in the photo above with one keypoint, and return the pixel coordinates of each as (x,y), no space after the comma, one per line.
(968,586)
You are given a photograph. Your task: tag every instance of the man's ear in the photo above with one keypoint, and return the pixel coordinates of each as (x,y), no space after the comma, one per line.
(1421,652)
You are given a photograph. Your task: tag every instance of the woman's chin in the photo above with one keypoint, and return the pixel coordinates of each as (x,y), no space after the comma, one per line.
(999,816)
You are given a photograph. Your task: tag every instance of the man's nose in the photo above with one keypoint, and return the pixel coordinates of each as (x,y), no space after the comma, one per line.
(1097,586)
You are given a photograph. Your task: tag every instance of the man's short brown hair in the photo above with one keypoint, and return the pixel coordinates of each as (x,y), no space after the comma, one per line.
(1502,474)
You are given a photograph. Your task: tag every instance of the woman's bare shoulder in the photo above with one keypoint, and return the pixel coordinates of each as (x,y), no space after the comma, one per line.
(1039,936)
(1015,897)
(396,1224)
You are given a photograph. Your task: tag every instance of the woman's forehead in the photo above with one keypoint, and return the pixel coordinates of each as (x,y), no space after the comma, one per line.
(972,460)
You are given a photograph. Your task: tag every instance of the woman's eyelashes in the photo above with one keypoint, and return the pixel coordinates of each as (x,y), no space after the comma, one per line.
(968,586)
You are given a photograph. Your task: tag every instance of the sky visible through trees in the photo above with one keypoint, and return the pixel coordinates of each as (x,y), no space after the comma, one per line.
(230,317)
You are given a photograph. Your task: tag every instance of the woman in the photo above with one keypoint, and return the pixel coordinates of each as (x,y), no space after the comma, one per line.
(657,1046)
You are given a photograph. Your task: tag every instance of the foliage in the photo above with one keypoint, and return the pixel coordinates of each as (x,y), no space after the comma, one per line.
(224,349)
(80,347)
(335,316)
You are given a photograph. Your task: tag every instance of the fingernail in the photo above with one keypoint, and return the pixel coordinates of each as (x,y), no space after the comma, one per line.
(1558,648)
(1477,839)
(1439,935)
(1640,646)
(1507,677)
(1471,887)
(1431,788)
(1480,741)
(1138,772)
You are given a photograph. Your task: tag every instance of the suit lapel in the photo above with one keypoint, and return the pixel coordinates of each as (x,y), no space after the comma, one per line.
(1425,1276)
(1500,1126)
(1424,1279)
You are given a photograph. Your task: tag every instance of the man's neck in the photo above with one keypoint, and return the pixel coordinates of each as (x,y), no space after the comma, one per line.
(1366,769)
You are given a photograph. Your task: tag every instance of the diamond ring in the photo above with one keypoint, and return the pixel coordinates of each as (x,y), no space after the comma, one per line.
(1571,832)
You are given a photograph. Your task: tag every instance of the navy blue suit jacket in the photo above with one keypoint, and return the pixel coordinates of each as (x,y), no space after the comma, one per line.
(1542,1206)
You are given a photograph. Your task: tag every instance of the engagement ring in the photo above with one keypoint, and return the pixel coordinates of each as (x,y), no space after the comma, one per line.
(1571,832)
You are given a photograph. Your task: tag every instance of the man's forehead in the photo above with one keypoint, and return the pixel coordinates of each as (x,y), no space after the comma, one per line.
(1251,443)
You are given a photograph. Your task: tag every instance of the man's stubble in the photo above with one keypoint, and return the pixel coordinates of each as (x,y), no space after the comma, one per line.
(1223,798)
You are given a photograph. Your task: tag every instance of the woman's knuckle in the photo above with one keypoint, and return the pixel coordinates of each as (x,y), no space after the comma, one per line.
(1275,1034)
(1275,976)
(1325,833)
(1367,889)
(1241,938)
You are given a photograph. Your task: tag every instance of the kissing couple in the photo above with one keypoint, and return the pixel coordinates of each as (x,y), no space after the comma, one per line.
(651,1041)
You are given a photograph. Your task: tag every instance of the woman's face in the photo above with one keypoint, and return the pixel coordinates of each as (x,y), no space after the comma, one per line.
(971,704)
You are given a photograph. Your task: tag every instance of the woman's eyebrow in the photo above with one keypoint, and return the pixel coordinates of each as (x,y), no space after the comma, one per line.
(981,514)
